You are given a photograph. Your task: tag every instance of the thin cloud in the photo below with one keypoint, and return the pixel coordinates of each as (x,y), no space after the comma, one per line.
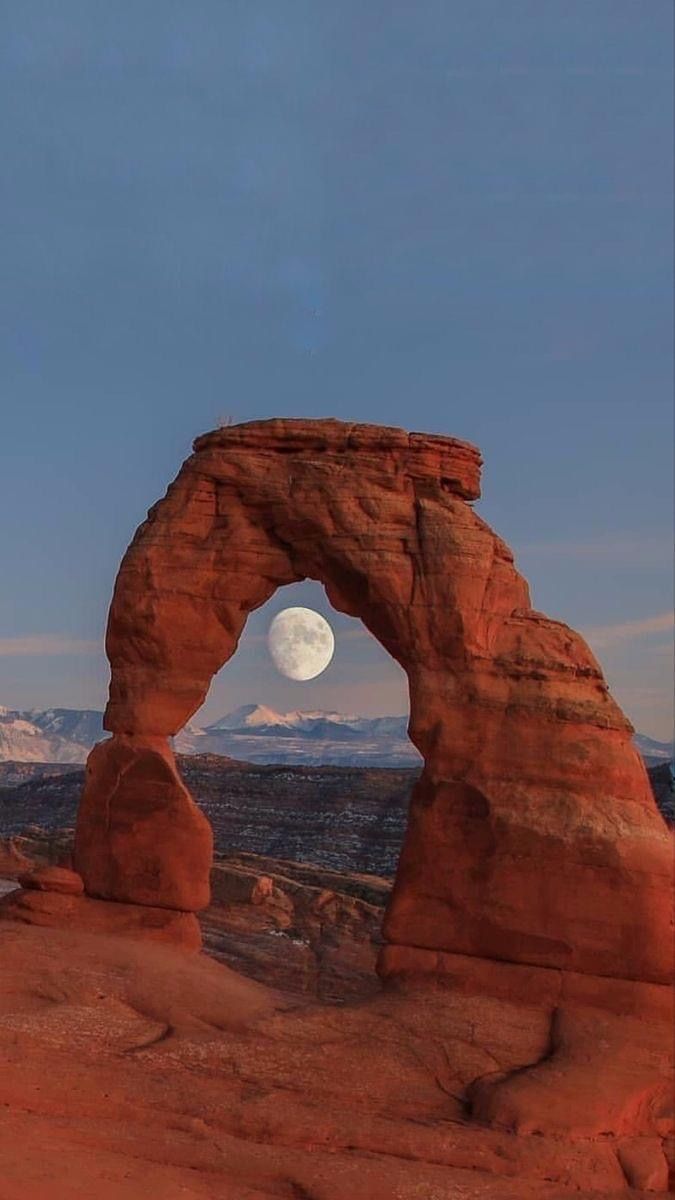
(661,650)
(46,645)
(610,549)
(607,635)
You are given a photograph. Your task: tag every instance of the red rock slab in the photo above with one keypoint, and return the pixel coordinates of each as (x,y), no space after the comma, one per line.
(68,911)
(138,1066)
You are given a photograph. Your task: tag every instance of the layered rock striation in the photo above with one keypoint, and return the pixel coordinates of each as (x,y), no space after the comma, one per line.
(533,835)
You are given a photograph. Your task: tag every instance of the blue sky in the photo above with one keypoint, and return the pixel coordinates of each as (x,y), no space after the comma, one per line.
(450,215)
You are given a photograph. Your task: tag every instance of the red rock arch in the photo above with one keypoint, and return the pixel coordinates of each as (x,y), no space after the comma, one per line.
(533,836)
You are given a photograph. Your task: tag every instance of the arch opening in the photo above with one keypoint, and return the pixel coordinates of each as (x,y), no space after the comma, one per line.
(341,739)
(306,786)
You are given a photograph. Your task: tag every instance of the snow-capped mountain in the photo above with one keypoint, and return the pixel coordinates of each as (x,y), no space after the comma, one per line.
(253,732)
(57,735)
(263,721)
(257,733)
(250,716)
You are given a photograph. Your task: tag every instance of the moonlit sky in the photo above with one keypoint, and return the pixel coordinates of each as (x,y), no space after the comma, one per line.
(452,215)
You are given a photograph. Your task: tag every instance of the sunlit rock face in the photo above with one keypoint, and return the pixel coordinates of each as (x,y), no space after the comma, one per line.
(533,835)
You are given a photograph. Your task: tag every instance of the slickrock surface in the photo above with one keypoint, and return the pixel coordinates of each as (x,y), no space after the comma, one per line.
(130,1071)
(533,834)
(13,858)
(155,1096)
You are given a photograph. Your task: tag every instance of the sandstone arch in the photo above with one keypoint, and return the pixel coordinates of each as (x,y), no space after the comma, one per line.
(533,835)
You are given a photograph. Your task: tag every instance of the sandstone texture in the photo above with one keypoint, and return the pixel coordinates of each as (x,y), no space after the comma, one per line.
(533,835)
(13,859)
(54,909)
(129,1070)
(140,1071)
(140,836)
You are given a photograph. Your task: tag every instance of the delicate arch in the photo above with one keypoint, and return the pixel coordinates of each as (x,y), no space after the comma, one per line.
(533,835)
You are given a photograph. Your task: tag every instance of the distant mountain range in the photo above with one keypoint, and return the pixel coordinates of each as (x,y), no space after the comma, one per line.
(253,733)
(57,735)
(654,753)
(258,734)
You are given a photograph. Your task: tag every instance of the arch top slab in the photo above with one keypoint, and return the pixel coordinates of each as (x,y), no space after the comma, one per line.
(533,836)
(419,455)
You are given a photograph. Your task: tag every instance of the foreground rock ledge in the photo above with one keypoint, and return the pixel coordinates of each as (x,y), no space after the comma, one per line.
(130,1070)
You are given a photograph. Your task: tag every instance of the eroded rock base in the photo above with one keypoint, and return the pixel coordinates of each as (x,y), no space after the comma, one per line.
(38,904)
(602,1064)
(140,1071)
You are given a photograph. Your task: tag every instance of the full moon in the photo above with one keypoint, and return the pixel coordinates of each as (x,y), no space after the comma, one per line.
(301,643)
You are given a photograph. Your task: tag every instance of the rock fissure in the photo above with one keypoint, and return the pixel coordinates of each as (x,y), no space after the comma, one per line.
(481,1093)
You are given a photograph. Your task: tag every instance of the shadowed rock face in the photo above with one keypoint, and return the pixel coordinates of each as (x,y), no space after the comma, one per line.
(533,835)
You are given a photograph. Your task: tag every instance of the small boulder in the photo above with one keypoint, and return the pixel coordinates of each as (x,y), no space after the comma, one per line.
(263,890)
